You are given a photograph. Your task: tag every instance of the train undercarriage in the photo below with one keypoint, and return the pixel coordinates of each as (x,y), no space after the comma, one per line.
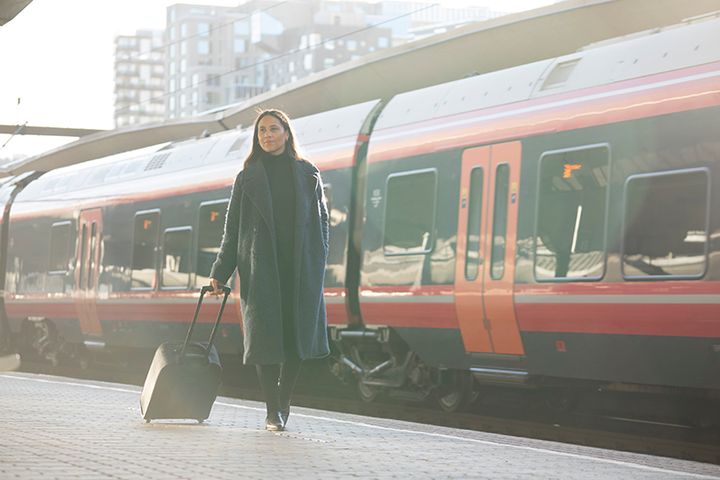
(382,365)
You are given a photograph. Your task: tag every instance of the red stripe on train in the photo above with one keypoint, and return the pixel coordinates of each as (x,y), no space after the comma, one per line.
(684,320)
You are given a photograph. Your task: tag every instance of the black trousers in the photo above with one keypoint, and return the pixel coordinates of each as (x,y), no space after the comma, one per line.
(278,382)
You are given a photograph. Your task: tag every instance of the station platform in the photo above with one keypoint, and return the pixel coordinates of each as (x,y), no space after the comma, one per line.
(53,427)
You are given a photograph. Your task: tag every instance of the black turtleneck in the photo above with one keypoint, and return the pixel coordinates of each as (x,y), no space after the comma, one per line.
(279,170)
(282,191)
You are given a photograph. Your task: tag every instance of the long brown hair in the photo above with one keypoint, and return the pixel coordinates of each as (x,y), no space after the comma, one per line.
(290,146)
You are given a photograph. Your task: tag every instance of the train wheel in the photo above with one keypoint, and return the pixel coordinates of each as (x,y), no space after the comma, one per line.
(459,395)
(367,393)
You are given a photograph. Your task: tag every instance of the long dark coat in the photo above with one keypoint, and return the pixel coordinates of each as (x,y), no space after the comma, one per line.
(249,245)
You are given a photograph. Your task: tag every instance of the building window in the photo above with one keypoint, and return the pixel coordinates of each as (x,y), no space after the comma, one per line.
(351,45)
(203,47)
(383,42)
(210,232)
(176,257)
(60,236)
(314,39)
(570,228)
(665,228)
(241,28)
(144,257)
(410,212)
(308,61)
(203,29)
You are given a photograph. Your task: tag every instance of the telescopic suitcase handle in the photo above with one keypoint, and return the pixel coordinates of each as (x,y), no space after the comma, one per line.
(207,288)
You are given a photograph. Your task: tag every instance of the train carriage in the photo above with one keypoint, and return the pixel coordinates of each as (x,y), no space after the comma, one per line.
(552,221)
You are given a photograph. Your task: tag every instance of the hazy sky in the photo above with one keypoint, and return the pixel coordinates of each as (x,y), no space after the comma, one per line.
(57,57)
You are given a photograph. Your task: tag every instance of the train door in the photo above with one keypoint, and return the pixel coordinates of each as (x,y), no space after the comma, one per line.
(87,271)
(485,264)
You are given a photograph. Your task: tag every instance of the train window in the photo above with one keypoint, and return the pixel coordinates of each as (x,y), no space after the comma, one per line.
(500,209)
(60,236)
(176,257)
(210,232)
(665,229)
(571,214)
(144,257)
(472,252)
(91,262)
(410,212)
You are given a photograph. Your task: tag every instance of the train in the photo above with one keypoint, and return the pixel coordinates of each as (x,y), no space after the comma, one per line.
(550,225)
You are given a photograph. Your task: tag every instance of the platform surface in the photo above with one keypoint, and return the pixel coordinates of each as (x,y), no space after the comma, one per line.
(54,427)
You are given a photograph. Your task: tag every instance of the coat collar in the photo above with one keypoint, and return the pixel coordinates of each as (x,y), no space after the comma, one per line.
(256,186)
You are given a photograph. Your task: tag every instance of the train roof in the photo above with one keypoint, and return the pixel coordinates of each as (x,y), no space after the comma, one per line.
(695,42)
(327,137)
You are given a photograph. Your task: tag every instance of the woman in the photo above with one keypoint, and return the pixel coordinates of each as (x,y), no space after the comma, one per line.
(276,235)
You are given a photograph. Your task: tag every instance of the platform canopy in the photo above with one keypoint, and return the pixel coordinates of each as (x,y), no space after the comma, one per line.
(476,48)
(10,8)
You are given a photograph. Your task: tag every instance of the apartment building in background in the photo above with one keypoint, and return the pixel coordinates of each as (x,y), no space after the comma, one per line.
(139,78)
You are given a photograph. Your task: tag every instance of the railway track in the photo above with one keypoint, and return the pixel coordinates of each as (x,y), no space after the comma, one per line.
(508,413)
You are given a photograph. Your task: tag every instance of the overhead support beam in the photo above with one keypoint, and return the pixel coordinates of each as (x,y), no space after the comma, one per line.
(51,131)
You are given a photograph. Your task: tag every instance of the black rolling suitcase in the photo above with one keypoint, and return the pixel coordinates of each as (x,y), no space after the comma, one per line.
(184,377)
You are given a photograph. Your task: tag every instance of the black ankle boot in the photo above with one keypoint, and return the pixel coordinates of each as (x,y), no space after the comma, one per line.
(284,414)
(274,422)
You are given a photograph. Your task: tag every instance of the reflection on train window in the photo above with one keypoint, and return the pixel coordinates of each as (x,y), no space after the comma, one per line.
(665,232)
(474,209)
(83,240)
(145,240)
(410,212)
(500,209)
(176,257)
(60,236)
(91,260)
(210,232)
(570,231)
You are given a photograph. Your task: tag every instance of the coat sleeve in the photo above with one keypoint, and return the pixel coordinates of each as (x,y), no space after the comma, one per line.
(324,217)
(226,260)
